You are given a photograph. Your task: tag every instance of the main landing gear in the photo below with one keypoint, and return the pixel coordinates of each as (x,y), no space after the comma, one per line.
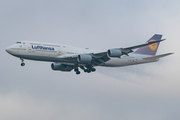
(22,63)
(87,69)
(77,70)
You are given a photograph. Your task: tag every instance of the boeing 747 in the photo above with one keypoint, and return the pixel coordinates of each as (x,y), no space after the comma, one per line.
(66,58)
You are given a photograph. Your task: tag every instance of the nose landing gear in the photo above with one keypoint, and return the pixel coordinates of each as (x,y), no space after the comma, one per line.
(22,63)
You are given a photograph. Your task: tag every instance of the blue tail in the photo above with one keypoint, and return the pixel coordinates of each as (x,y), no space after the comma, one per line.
(150,49)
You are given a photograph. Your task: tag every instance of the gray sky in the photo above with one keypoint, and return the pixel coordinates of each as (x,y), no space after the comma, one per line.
(142,92)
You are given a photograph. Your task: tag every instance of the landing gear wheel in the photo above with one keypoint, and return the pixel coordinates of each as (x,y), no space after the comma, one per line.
(78,72)
(93,70)
(22,64)
(85,70)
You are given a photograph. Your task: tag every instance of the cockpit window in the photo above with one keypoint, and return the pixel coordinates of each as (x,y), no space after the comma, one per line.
(18,42)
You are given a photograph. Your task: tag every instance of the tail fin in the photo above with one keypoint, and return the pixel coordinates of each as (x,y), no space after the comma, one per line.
(150,49)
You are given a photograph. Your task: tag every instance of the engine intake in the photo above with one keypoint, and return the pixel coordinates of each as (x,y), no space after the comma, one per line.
(114,53)
(84,58)
(61,67)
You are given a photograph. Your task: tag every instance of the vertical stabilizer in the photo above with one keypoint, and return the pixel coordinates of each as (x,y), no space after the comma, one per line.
(150,49)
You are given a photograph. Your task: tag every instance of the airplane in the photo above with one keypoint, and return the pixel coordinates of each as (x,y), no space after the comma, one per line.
(66,58)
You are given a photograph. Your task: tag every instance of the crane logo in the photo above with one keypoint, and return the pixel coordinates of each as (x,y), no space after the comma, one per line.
(153,46)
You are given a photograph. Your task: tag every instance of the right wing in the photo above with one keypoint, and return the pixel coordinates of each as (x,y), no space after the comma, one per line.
(130,49)
(102,57)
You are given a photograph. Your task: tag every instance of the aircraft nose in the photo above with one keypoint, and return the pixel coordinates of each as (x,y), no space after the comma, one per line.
(8,49)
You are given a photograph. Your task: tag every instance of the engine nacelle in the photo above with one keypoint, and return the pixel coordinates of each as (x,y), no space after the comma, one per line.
(61,67)
(84,58)
(114,53)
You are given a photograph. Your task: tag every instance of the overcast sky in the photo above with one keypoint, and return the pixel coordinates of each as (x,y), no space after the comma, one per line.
(141,92)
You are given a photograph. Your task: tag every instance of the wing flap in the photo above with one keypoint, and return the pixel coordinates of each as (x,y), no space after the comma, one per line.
(100,58)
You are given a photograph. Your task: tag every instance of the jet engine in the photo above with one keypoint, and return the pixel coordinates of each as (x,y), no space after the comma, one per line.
(61,67)
(84,58)
(114,53)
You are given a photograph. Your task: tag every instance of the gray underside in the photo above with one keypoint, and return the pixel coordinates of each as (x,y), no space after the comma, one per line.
(52,59)
(72,61)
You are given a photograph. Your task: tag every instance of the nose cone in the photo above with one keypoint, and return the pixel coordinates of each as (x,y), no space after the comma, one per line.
(8,49)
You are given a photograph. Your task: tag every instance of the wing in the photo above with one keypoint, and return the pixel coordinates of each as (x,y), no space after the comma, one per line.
(101,58)
(130,49)
(96,59)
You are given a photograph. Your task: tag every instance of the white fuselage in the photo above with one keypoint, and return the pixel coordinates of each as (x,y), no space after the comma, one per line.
(57,52)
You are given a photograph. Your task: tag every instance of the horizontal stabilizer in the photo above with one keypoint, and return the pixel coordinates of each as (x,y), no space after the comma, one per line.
(157,56)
